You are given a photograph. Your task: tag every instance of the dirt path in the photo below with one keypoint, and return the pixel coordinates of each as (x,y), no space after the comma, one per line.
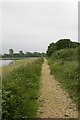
(55,102)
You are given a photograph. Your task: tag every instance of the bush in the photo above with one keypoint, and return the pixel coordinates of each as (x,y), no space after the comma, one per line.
(67,75)
(66,54)
(65,66)
(20,92)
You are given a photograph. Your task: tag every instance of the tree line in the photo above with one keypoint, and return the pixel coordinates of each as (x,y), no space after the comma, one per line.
(61,44)
(22,54)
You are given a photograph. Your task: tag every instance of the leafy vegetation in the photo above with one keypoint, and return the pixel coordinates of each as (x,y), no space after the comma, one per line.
(21,54)
(61,44)
(20,91)
(67,75)
(18,63)
(65,67)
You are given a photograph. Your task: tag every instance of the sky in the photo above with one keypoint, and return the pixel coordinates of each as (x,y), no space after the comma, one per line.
(32,26)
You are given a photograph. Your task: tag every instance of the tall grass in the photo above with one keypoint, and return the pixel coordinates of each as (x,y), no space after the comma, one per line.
(21,91)
(18,63)
(64,67)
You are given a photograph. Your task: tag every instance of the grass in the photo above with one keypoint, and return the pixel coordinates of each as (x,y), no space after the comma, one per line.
(21,91)
(65,70)
(18,63)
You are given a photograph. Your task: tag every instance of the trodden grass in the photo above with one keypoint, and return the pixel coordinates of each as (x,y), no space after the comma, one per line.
(20,91)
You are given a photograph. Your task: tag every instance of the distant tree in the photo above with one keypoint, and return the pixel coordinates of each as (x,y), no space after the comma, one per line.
(21,52)
(35,54)
(28,54)
(43,54)
(5,55)
(11,51)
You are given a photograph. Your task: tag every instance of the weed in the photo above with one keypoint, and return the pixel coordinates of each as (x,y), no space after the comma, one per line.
(67,73)
(20,91)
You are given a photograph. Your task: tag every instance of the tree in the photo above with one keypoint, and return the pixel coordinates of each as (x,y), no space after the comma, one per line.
(28,54)
(61,44)
(51,49)
(21,53)
(11,51)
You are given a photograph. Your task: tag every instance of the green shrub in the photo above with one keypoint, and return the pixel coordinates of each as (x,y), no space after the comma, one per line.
(65,65)
(20,92)
(66,54)
(67,75)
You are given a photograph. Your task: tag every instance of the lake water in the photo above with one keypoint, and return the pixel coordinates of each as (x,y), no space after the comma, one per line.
(5,62)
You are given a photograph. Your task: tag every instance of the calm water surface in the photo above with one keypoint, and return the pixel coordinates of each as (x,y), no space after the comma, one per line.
(5,62)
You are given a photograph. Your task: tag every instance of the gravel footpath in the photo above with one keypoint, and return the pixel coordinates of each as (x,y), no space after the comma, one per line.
(55,102)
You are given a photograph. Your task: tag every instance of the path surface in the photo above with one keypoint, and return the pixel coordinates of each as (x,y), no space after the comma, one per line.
(55,102)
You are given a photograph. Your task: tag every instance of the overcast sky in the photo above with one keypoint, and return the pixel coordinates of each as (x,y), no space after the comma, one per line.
(32,26)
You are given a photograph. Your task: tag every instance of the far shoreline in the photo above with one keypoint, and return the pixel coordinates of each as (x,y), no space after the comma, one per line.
(17,58)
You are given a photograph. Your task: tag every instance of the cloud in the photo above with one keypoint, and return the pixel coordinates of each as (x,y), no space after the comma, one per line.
(32,26)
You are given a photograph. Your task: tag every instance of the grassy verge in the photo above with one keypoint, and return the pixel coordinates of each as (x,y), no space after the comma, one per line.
(20,91)
(18,63)
(65,70)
